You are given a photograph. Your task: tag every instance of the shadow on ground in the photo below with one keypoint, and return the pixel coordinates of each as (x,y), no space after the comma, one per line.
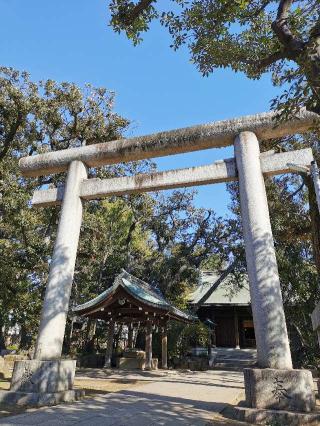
(167,399)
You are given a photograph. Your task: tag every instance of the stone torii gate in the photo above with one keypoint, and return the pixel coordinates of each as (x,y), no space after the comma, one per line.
(249,166)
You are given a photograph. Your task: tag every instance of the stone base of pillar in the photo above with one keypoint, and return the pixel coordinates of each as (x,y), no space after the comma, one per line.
(258,416)
(291,390)
(33,399)
(37,383)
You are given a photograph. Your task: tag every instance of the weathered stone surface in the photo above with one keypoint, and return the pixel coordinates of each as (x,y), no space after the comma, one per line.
(36,376)
(56,301)
(131,363)
(32,399)
(125,363)
(133,353)
(220,171)
(7,364)
(290,390)
(258,416)
(267,308)
(211,135)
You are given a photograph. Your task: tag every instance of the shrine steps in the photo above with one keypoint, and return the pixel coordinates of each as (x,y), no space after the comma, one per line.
(232,359)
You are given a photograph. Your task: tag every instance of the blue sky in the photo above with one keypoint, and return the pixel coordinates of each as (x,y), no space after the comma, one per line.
(157,88)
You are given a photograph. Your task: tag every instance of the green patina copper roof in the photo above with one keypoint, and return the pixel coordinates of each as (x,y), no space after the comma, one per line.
(138,289)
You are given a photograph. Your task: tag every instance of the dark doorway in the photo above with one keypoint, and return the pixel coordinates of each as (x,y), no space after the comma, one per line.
(225,332)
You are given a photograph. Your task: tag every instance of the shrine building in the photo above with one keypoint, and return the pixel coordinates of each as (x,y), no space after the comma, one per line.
(139,306)
(229,311)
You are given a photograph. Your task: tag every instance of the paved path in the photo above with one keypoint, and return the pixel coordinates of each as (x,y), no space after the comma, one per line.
(172,398)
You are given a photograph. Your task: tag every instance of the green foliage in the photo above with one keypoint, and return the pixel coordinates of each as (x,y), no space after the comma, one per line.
(253,37)
(137,19)
(181,338)
(38,117)
(161,239)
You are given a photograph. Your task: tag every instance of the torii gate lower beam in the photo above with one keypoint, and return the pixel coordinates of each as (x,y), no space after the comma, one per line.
(220,171)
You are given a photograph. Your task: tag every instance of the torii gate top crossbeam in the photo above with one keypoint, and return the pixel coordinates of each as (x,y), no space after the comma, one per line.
(212,135)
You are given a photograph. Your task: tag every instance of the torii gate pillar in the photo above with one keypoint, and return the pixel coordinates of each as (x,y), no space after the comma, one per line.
(48,379)
(275,384)
(267,307)
(56,301)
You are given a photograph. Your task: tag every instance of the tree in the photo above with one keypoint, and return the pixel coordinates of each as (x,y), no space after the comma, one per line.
(38,117)
(160,238)
(254,37)
(183,236)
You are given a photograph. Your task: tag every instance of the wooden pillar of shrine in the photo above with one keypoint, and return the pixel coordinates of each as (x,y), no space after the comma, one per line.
(108,357)
(164,347)
(236,328)
(130,336)
(148,346)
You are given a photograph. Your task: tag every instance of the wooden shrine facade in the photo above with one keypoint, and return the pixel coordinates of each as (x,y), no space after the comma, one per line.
(228,311)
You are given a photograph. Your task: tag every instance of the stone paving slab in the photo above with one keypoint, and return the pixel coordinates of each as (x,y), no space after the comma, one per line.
(175,398)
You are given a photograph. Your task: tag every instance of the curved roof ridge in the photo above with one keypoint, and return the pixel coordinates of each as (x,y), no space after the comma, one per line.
(140,290)
(145,284)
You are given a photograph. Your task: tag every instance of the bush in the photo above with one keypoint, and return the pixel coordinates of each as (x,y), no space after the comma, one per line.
(181,338)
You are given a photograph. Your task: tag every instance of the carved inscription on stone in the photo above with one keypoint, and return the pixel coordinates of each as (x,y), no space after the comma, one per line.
(279,391)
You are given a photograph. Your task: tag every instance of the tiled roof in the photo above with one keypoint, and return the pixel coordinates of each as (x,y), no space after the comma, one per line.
(223,294)
(138,289)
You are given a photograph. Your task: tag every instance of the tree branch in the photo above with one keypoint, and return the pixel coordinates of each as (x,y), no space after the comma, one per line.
(199,232)
(136,11)
(10,136)
(269,60)
(280,27)
(290,196)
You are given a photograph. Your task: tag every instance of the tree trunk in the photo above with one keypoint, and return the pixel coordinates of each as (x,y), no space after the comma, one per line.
(312,70)
(315,221)
(25,338)
(2,336)
(2,340)
(68,336)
